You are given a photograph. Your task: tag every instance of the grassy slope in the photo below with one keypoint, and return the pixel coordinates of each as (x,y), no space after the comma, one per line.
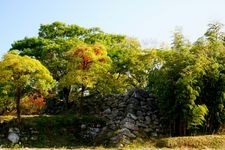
(194,142)
(61,132)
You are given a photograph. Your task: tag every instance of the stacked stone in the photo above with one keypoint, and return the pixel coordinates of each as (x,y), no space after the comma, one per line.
(131,116)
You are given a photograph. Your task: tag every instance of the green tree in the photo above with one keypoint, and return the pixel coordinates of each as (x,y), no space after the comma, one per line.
(179,42)
(163,82)
(86,65)
(21,75)
(166,80)
(55,40)
(214,33)
(189,84)
(213,89)
(130,64)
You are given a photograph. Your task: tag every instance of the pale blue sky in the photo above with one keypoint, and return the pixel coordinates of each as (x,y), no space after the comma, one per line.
(148,20)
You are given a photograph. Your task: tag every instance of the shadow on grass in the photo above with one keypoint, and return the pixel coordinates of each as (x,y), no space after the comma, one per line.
(60,131)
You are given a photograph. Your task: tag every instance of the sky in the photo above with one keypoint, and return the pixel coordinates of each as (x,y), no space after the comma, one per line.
(150,21)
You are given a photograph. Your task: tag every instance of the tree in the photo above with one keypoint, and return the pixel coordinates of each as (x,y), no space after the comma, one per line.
(189,84)
(22,75)
(163,83)
(214,33)
(179,42)
(55,40)
(87,63)
(130,65)
(213,88)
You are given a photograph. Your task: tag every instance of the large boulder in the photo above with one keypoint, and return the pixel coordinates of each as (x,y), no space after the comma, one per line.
(13,135)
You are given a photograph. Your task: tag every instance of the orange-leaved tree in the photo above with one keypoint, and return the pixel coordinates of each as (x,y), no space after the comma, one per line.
(86,64)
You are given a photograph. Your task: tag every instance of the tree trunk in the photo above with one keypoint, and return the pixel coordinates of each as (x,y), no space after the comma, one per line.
(177,127)
(66,93)
(82,99)
(18,96)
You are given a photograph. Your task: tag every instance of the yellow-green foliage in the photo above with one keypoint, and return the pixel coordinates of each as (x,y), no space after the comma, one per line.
(22,75)
(87,63)
(23,72)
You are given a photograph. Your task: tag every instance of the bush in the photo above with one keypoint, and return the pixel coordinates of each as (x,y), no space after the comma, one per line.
(32,104)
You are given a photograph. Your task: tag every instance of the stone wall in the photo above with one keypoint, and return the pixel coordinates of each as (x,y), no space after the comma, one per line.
(129,117)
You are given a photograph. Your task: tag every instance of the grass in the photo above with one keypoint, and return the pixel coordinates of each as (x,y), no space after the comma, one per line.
(62,132)
(194,142)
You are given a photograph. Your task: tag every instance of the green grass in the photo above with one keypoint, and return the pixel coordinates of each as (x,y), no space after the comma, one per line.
(198,142)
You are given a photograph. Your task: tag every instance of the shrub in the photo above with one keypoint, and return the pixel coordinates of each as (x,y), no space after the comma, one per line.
(32,104)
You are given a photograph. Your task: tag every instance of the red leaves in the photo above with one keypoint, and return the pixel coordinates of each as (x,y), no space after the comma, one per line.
(33,104)
(79,51)
(98,50)
(39,102)
(85,56)
(86,60)
(102,60)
